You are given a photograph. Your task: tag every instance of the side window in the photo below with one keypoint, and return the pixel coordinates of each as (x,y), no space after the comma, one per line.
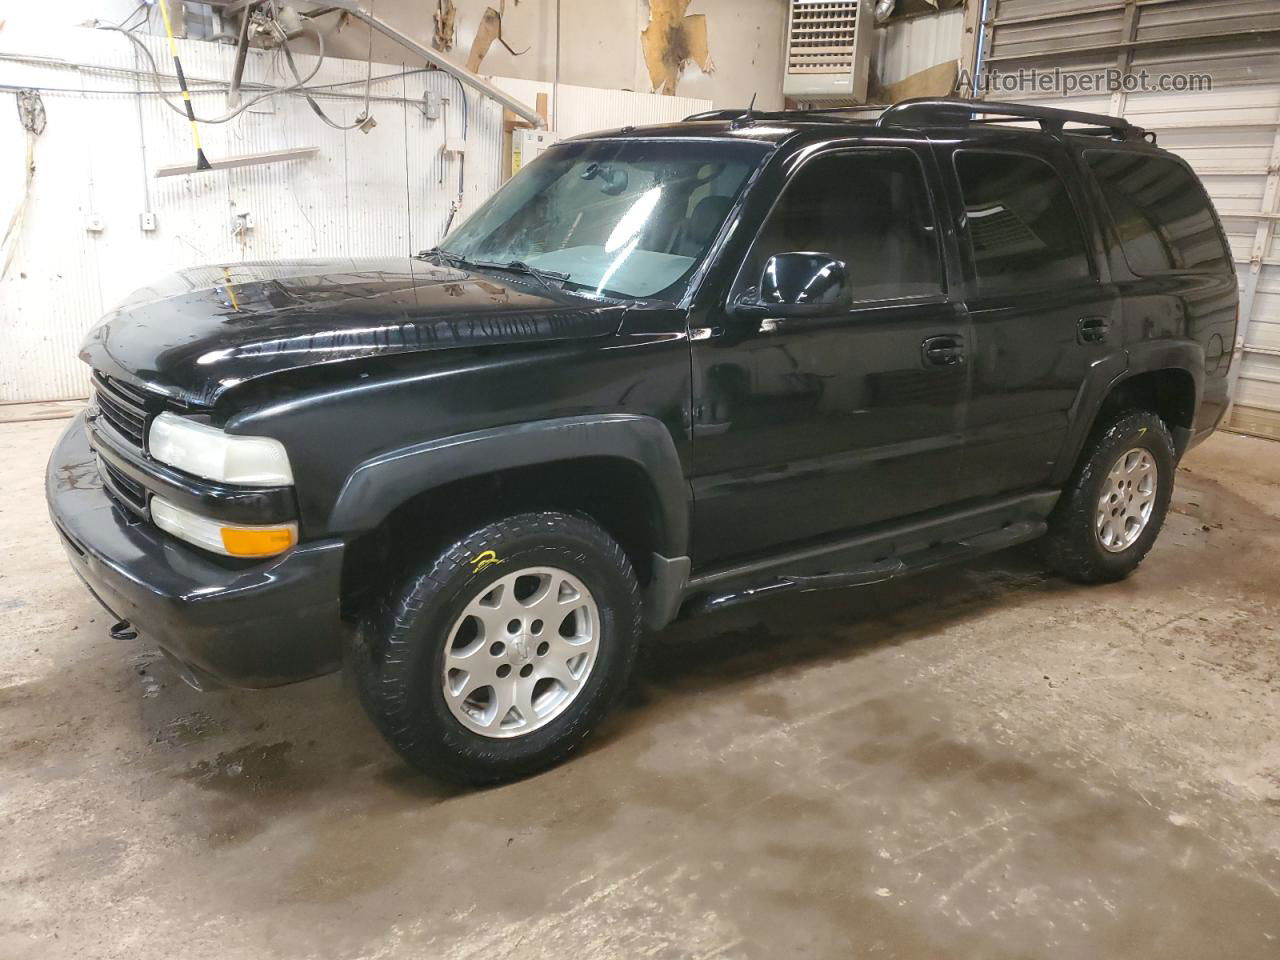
(1161,213)
(1024,229)
(868,208)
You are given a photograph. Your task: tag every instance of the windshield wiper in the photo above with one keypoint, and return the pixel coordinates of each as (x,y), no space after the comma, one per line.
(452,259)
(544,277)
(526,269)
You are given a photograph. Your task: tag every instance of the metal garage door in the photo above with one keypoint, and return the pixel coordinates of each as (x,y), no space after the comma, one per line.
(1230,133)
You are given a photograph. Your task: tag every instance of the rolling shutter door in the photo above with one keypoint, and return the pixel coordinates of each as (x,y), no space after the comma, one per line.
(1229,134)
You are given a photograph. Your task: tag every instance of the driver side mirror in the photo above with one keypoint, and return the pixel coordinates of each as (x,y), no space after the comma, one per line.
(798,284)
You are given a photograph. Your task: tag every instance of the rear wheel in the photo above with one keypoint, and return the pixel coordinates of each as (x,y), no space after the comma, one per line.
(1112,511)
(495,658)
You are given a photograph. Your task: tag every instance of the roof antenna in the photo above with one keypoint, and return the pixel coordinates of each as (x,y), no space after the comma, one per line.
(746,119)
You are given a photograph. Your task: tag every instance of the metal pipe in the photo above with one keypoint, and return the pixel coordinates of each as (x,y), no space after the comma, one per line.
(359,9)
(555,85)
(142,135)
(982,44)
(242,56)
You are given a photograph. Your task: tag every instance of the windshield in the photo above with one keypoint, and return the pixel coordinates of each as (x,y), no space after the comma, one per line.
(622,218)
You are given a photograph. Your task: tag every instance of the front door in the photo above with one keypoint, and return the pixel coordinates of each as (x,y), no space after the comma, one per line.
(809,427)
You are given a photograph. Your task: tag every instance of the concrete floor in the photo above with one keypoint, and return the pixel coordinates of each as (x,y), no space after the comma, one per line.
(983,762)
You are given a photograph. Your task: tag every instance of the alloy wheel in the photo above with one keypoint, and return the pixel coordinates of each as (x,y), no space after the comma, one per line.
(521,652)
(1127,500)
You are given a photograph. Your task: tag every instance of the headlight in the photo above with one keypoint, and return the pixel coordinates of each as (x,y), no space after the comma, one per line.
(210,453)
(228,539)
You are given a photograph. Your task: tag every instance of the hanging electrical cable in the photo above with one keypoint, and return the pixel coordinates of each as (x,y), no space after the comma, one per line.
(462,92)
(32,117)
(462,160)
(127,24)
(363,121)
(156,77)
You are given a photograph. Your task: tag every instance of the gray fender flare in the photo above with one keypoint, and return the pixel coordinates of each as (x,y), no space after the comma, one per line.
(379,485)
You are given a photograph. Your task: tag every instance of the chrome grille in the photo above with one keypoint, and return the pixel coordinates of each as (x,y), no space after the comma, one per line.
(122,406)
(128,492)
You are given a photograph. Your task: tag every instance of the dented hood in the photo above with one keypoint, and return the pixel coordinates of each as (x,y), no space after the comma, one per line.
(202,331)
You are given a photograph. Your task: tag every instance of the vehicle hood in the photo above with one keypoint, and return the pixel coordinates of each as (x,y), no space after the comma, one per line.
(199,332)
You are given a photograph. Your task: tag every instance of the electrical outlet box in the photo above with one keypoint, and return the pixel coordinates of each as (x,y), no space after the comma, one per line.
(431,105)
(94,224)
(455,145)
(147,221)
(241,223)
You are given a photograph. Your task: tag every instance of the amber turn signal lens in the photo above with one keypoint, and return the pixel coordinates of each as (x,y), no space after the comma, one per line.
(262,542)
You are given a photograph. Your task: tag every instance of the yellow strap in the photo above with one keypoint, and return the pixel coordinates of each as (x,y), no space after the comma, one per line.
(231,289)
(168,28)
(173,51)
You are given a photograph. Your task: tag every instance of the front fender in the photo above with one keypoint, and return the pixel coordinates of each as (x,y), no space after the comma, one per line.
(379,485)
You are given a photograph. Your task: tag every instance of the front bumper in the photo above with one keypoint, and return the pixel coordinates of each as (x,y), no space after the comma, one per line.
(261,626)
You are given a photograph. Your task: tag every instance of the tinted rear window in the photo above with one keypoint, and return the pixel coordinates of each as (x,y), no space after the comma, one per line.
(1161,213)
(1022,223)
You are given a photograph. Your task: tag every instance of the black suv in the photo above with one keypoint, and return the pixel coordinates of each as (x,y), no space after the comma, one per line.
(660,371)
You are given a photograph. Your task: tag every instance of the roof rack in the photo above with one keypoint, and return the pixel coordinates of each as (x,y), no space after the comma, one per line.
(742,113)
(952,111)
(927,111)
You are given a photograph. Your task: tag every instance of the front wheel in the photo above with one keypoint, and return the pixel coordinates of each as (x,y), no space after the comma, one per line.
(495,658)
(1111,513)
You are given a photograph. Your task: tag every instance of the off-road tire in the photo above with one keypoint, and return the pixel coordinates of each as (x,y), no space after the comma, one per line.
(400,646)
(1073,548)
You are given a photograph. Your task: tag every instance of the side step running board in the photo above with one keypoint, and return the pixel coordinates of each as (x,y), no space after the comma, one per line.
(875,572)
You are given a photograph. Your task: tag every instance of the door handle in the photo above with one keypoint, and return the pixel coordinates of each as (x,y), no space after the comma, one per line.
(1092,329)
(944,351)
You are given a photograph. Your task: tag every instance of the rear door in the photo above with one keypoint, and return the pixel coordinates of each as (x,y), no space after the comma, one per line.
(807,427)
(1042,315)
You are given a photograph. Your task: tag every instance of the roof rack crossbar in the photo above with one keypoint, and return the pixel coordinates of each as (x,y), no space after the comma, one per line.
(829,115)
(1052,120)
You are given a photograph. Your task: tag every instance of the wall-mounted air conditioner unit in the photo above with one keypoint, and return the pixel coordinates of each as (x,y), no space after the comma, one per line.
(829,51)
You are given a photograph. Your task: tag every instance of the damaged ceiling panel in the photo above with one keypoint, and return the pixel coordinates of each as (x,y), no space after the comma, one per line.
(672,40)
(486,33)
(445,16)
(490,29)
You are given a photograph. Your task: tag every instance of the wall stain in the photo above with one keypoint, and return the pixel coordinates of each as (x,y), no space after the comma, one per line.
(671,41)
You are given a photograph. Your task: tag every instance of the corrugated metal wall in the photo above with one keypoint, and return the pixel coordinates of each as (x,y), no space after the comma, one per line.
(387,192)
(905,47)
(1231,134)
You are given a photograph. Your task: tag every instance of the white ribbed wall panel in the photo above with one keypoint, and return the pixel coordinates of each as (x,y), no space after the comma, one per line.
(385,192)
(905,47)
(587,109)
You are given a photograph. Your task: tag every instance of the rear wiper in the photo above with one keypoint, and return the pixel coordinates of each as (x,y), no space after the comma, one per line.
(519,266)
